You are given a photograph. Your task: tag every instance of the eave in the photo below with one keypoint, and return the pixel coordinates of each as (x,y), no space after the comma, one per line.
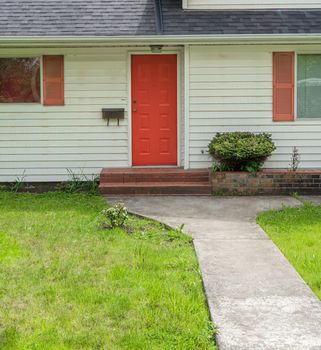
(89,41)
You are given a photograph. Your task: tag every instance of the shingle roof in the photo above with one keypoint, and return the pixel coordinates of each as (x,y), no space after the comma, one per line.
(137,17)
(76,17)
(177,21)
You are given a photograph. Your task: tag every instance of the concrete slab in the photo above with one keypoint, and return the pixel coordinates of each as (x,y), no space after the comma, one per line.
(231,208)
(248,269)
(220,229)
(316,200)
(256,298)
(267,323)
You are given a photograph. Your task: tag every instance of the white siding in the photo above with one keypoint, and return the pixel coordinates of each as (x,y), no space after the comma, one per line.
(249,4)
(231,90)
(46,141)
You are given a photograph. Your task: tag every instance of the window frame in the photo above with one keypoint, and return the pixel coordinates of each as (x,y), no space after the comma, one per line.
(296,67)
(40,85)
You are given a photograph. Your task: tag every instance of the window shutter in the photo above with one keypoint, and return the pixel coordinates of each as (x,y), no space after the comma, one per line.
(283,86)
(53,80)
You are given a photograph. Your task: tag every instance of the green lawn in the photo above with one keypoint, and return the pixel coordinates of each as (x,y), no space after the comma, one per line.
(65,283)
(297,232)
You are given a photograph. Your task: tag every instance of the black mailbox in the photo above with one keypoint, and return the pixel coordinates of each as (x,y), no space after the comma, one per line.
(113,113)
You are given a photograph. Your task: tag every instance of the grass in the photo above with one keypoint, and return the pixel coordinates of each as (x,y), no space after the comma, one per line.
(297,232)
(65,283)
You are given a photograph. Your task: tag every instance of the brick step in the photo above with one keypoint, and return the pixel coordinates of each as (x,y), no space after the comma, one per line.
(124,178)
(156,188)
(153,175)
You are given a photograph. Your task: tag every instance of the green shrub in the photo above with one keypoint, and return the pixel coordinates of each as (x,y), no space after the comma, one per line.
(80,183)
(219,167)
(116,215)
(241,151)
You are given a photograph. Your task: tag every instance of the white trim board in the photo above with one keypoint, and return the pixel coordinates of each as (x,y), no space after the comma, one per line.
(250,4)
(212,39)
(186,104)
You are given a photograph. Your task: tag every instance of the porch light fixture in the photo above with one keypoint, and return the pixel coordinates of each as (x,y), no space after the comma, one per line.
(156,48)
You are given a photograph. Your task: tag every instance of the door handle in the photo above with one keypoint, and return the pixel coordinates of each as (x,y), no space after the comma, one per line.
(134,110)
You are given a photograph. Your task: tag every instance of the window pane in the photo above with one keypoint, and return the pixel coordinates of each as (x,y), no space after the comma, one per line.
(19,80)
(309,86)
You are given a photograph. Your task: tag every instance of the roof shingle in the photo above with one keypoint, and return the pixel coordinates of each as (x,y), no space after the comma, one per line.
(47,18)
(76,17)
(233,22)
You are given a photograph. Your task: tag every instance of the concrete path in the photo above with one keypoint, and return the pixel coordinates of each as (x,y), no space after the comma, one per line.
(313,199)
(256,298)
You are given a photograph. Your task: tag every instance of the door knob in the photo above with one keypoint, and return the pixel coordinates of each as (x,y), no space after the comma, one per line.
(134,110)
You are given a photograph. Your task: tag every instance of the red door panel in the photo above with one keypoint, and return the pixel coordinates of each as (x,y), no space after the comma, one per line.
(154,109)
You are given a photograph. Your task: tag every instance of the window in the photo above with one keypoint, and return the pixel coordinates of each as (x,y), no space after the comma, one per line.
(20,80)
(309,86)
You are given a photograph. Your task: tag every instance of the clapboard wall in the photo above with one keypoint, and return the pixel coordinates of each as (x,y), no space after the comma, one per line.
(230,89)
(47,142)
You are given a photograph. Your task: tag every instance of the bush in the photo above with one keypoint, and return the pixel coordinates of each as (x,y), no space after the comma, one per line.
(80,183)
(241,151)
(116,215)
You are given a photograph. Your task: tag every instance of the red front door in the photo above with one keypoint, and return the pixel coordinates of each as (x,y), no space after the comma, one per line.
(154,109)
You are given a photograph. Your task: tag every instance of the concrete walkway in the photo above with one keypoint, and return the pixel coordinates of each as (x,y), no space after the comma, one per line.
(256,298)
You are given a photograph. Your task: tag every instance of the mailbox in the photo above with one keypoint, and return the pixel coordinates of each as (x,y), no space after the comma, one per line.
(113,114)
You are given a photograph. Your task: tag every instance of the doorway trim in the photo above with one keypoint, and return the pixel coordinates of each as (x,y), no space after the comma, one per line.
(146,51)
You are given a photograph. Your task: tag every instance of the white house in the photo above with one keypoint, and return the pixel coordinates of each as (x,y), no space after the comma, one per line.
(168,74)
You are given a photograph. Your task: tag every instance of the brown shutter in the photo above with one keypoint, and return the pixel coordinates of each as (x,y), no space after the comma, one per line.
(53,80)
(283,86)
